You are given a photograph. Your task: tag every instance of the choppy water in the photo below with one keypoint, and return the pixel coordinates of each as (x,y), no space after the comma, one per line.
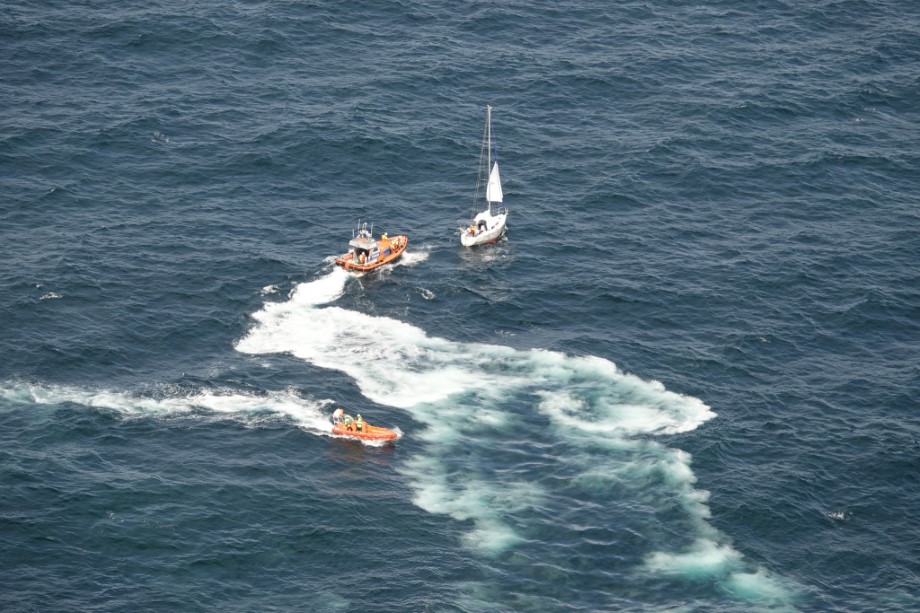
(686,381)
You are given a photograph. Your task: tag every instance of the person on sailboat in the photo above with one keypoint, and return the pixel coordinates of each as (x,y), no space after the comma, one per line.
(472,229)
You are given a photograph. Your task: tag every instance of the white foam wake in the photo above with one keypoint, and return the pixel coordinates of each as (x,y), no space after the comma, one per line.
(171,402)
(474,398)
(460,391)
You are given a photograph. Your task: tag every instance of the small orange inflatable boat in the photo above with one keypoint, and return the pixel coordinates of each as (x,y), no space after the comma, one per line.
(344,425)
(368,254)
(370,433)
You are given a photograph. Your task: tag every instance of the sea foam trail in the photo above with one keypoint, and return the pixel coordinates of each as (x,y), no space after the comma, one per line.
(309,414)
(599,417)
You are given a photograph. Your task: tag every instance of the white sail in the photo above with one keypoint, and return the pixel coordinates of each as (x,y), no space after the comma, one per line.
(494,189)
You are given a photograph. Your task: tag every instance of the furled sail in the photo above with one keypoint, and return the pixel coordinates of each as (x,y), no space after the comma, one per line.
(494,189)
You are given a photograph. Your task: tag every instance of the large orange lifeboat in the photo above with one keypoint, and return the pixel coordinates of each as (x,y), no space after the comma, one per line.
(367,253)
(344,425)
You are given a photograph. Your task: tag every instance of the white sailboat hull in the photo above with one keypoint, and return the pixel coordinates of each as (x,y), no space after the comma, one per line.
(488,229)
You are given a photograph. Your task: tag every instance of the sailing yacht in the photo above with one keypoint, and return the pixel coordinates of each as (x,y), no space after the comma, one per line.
(490,224)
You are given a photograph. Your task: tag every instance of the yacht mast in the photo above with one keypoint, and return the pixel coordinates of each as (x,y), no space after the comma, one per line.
(489,154)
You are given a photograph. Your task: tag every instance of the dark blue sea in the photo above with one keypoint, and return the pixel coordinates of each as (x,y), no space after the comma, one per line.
(688,379)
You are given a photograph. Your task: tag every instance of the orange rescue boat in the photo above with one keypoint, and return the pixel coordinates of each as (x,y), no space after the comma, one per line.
(344,425)
(368,254)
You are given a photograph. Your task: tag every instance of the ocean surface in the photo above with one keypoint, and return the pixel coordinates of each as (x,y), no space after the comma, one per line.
(688,379)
